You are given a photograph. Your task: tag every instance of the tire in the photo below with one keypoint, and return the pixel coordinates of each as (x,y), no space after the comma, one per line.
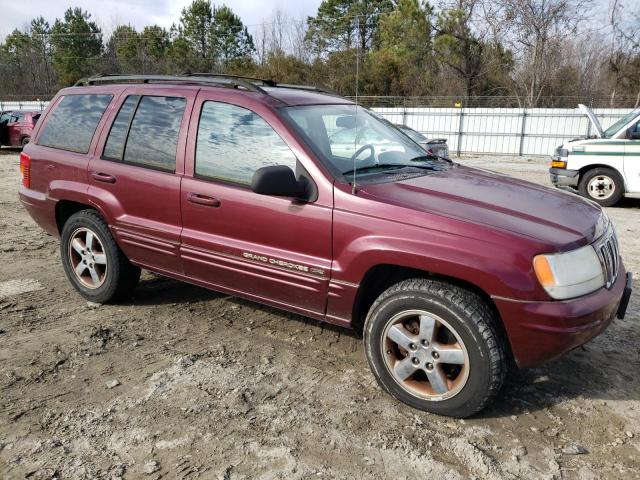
(24,141)
(115,277)
(594,183)
(465,328)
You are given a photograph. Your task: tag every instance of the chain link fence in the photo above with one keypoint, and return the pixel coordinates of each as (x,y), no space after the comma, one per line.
(483,125)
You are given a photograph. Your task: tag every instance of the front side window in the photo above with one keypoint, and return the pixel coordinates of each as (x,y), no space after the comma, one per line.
(234,142)
(146,131)
(73,122)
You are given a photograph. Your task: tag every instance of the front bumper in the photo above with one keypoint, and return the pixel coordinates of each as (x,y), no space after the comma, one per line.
(543,331)
(561,177)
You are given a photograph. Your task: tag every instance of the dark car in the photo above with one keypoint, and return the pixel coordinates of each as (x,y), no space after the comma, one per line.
(450,273)
(16,127)
(433,146)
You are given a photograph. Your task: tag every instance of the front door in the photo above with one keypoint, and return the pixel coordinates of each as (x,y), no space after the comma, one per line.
(272,249)
(632,159)
(135,175)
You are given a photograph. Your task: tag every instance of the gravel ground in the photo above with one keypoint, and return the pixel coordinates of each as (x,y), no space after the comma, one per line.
(182,382)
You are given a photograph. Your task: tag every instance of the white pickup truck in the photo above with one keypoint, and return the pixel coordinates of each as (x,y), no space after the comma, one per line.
(604,167)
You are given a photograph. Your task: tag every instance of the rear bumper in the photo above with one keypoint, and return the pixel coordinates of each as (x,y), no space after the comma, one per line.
(561,177)
(41,208)
(543,331)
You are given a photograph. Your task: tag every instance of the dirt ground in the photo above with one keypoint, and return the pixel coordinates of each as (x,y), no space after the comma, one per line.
(210,386)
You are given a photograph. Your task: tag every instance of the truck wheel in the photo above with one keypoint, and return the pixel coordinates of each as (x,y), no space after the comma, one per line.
(435,347)
(602,185)
(92,260)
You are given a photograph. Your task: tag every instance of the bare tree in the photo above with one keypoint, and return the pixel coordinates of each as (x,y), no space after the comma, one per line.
(535,30)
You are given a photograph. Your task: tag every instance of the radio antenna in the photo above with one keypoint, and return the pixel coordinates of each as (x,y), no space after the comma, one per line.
(355,138)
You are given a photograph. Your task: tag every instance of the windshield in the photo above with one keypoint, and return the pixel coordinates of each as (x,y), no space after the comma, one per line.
(342,135)
(613,129)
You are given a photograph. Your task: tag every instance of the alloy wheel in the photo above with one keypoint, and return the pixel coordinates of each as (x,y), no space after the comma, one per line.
(88,258)
(425,355)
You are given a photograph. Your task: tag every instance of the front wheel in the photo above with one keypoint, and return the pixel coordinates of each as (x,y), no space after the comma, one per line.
(435,347)
(602,185)
(92,260)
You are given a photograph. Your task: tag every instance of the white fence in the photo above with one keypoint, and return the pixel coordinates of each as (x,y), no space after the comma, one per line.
(26,105)
(507,131)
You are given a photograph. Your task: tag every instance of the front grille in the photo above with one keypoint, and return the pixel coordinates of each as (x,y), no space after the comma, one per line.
(607,250)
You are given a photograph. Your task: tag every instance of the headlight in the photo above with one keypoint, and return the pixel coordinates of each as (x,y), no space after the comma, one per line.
(569,274)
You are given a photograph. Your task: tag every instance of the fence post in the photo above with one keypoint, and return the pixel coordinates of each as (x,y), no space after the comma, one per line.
(404,111)
(460,126)
(523,131)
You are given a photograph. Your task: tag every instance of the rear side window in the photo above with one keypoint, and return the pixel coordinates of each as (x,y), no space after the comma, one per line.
(114,149)
(73,122)
(234,142)
(145,132)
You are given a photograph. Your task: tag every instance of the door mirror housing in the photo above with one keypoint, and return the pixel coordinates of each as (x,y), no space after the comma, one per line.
(633,134)
(280,181)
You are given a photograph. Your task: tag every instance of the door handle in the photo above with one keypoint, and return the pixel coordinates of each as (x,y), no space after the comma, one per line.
(201,199)
(103,177)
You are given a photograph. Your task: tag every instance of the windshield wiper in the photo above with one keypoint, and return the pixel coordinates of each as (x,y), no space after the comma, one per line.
(429,156)
(394,166)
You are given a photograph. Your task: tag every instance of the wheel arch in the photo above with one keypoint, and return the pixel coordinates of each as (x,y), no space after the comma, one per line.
(592,166)
(382,276)
(66,208)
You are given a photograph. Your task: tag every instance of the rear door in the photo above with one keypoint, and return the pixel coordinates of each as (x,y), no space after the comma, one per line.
(4,130)
(136,173)
(15,128)
(632,159)
(273,249)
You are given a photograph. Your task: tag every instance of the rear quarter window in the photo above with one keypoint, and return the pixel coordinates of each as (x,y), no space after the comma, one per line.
(73,122)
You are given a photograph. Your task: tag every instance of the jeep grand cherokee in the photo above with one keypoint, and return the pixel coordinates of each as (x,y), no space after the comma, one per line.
(234,184)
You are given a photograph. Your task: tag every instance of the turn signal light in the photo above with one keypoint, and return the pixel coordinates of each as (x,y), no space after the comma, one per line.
(25,169)
(558,164)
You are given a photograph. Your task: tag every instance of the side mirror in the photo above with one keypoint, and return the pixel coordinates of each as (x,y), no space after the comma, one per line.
(633,134)
(278,180)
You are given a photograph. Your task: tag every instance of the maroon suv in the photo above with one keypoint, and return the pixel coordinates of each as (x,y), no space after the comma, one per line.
(239,186)
(16,127)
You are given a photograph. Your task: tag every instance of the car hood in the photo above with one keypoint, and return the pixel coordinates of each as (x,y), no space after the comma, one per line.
(592,118)
(559,219)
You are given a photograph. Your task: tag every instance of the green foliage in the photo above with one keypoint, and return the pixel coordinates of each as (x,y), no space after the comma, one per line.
(230,38)
(403,63)
(77,44)
(343,24)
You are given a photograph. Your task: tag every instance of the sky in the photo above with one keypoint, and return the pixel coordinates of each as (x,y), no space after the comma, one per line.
(139,13)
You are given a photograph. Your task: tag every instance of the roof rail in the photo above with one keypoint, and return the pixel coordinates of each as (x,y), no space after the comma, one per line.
(251,84)
(263,81)
(208,79)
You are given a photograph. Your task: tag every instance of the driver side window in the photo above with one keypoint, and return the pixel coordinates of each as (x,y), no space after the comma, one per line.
(233,142)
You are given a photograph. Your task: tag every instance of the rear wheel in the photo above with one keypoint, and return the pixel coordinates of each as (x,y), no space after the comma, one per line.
(602,185)
(24,141)
(92,260)
(435,347)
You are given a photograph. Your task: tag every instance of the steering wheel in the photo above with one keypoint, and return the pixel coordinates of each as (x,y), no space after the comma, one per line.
(368,146)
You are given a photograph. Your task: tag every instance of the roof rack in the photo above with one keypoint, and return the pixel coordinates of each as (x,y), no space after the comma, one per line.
(251,84)
(218,81)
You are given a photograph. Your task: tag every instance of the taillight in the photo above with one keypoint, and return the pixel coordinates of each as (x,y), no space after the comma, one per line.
(25,169)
